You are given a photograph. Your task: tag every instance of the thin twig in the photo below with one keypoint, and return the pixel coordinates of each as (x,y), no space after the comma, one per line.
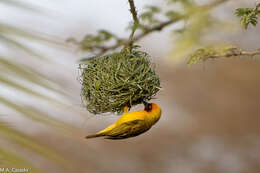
(250,53)
(135,18)
(158,27)
(237,54)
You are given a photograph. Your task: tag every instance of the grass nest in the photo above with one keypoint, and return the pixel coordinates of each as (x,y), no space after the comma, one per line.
(116,80)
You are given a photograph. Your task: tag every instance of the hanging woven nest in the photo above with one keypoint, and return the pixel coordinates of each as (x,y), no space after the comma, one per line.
(116,80)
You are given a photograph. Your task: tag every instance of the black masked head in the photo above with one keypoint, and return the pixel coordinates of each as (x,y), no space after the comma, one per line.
(147,106)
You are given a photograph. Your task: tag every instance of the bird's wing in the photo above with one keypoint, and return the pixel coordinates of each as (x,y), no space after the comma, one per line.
(128,129)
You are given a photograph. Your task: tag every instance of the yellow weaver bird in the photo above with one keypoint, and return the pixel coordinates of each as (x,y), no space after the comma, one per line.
(132,124)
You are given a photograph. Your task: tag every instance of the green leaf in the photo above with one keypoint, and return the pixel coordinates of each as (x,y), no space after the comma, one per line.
(210,52)
(248,15)
(153,9)
(172,14)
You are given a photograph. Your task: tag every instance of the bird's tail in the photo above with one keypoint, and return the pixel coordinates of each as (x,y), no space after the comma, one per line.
(95,135)
(102,132)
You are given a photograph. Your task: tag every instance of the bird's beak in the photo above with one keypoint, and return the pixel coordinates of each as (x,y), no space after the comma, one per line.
(146,105)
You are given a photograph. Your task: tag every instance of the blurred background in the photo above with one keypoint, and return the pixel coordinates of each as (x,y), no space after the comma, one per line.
(210,119)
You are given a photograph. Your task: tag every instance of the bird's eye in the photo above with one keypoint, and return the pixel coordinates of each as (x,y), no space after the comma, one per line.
(150,107)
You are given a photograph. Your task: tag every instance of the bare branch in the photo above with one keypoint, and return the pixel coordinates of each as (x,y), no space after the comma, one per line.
(209,52)
(133,11)
(235,54)
(158,27)
(253,53)
(135,18)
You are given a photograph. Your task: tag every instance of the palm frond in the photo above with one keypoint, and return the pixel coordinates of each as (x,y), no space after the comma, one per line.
(21,5)
(23,78)
(29,144)
(26,73)
(7,29)
(9,159)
